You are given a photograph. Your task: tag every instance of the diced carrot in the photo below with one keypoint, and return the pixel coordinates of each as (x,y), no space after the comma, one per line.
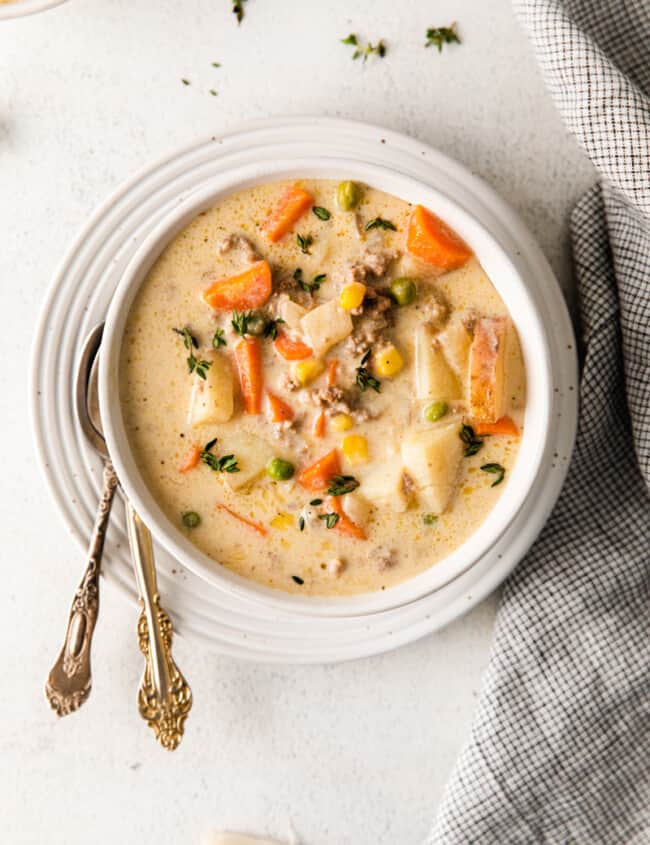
(291,349)
(429,238)
(256,526)
(319,425)
(332,367)
(317,476)
(191,460)
(279,410)
(248,355)
(345,525)
(293,203)
(249,289)
(504,425)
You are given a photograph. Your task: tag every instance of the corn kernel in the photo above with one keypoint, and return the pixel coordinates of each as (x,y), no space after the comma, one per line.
(389,362)
(342,422)
(352,296)
(355,448)
(282,521)
(307,371)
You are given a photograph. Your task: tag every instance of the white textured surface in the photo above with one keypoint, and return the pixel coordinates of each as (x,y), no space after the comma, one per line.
(356,753)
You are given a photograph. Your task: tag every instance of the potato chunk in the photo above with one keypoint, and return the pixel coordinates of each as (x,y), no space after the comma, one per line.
(487,369)
(455,340)
(212,398)
(434,378)
(325,326)
(252,453)
(291,312)
(432,458)
(383,485)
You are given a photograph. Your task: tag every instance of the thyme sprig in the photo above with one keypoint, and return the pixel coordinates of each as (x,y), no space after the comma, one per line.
(364,377)
(225,463)
(194,365)
(363,51)
(439,35)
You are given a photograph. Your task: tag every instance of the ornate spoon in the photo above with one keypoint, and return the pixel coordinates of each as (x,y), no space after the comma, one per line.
(164,698)
(69,682)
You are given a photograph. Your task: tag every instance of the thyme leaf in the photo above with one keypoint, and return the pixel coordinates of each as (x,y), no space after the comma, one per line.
(339,485)
(330,519)
(219,339)
(364,378)
(238,9)
(225,463)
(321,213)
(495,469)
(380,223)
(439,35)
(473,443)
(305,242)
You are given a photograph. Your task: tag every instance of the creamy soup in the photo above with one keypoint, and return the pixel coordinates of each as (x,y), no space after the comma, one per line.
(321,387)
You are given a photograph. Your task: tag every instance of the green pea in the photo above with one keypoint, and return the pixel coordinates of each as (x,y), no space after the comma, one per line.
(280,470)
(348,195)
(191,519)
(435,411)
(256,324)
(403,291)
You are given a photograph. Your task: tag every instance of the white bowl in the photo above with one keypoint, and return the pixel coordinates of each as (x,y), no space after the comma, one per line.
(511,287)
(20,8)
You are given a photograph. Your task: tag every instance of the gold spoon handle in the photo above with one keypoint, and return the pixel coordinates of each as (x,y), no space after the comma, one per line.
(69,682)
(164,698)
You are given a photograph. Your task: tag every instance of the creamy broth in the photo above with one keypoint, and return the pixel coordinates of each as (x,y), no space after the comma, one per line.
(413,506)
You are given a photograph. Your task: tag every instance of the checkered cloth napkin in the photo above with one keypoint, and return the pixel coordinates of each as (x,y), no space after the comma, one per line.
(560,748)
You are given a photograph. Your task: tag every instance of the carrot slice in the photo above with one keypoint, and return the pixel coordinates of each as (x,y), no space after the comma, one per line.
(256,526)
(279,410)
(248,356)
(191,460)
(345,525)
(319,425)
(504,425)
(249,289)
(317,476)
(293,203)
(332,367)
(291,349)
(429,238)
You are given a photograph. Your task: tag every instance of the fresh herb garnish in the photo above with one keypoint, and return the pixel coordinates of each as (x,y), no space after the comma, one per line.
(321,213)
(305,242)
(194,364)
(330,519)
(301,523)
(216,64)
(361,51)
(213,92)
(271,328)
(312,286)
(185,81)
(219,338)
(429,518)
(380,223)
(439,35)
(238,9)
(316,502)
(226,463)
(240,320)
(339,485)
(472,442)
(365,378)
(495,469)
(298,579)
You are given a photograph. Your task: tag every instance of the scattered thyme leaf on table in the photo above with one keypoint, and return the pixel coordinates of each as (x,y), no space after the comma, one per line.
(238,9)
(362,51)
(439,35)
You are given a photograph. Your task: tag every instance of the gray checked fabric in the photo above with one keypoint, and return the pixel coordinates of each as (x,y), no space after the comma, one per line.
(560,748)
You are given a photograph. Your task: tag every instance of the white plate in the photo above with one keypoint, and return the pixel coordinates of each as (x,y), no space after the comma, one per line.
(20,8)
(79,298)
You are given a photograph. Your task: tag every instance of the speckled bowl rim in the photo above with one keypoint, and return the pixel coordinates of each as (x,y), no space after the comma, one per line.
(509,284)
